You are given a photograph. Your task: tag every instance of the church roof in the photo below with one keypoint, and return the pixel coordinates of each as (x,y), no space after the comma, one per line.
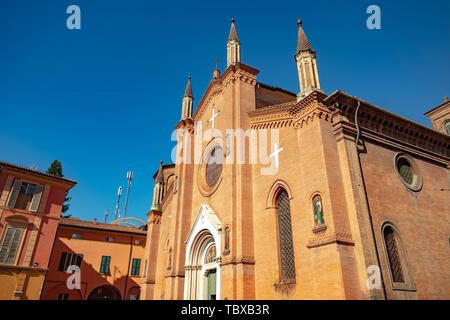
(233,34)
(164,166)
(302,42)
(188,91)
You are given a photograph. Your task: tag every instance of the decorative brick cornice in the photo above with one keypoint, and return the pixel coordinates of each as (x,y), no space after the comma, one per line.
(291,114)
(386,127)
(322,238)
(238,72)
(250,260)
(154,217)
(187,124)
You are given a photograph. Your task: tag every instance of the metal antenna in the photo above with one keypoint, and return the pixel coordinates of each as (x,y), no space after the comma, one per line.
(129,178)
(106,214)
(116,213)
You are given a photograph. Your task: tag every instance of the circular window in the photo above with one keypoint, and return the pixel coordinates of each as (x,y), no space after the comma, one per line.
(408,172)
(214,166)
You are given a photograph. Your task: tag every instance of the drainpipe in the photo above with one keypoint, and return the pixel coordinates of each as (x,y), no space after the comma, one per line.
(128,270)
(358,131)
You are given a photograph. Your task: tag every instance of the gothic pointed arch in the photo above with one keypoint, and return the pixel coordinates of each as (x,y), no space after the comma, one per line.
(202,268)
(286,256)
(396,257)
(276,187)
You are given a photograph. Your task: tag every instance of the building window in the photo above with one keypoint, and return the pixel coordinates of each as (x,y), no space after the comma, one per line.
(214,166)
(110,239)
(393,255)
(447,127)
(136,267)
(405,170)
(10,244)
(286,246)
(138,242)
(408,171)
(25,196)
(227,238)
(63,296)
(76,236)
(104,266)
(210,254)
(69,259)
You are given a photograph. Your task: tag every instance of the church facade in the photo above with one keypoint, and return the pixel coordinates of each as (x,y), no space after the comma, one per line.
(276,195)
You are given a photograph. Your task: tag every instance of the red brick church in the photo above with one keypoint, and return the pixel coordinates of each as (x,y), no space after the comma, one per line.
(357,206)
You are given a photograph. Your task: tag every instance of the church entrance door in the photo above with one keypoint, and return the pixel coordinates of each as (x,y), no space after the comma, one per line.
(211,284)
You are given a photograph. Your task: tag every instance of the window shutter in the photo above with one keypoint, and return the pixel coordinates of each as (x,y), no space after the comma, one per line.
(108,260)
(36,198)
(138,266)
(62,261)
(14,193)
(79,259)
(14,246)
(10,245)
(6,244)
(102,265)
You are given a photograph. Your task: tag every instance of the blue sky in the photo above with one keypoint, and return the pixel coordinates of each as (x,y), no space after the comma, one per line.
(105,99)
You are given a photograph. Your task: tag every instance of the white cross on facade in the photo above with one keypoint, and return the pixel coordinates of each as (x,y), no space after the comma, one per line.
(213,116)
(275,154)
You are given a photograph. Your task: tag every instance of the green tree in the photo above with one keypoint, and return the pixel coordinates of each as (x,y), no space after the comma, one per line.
(55,169)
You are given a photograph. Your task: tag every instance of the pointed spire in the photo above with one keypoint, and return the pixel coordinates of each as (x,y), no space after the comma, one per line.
(305,58)
(302,43)
(160,176)
(233,46)
(188,91)
(233,34)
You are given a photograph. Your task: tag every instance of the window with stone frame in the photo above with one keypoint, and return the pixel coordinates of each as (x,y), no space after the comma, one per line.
(395,264)
(9,247)
(286,245)
(214,166)
(25,195)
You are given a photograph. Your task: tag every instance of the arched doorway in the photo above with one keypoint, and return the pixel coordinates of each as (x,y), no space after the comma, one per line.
(202,269)
(106,292)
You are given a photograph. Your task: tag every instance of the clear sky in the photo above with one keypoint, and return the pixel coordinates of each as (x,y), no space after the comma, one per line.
(105,99)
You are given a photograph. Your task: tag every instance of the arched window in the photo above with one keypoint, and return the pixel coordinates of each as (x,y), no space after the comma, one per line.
(447,127)
(211,254)
(395,264)
(286,245)
(227,238)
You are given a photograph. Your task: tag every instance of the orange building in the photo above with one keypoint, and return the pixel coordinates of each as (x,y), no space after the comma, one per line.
(30,207)
(347,201)
(110,258)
